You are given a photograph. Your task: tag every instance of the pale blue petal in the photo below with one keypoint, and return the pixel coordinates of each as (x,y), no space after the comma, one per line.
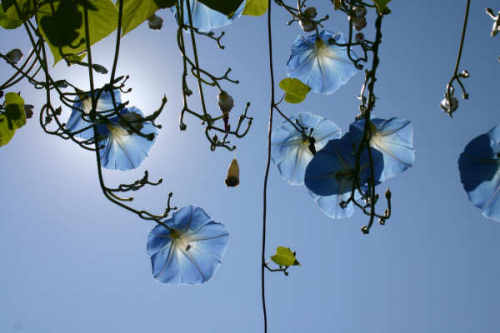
(206,19)
(291,153)
(324,68)
(394,139)
(332,168)
(104,103)
(192,257)
(479,166)
(123,150)
(330,205)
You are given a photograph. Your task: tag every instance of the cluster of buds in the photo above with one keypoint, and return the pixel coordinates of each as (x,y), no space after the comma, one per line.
(306,19)
(226,103)
(358,17)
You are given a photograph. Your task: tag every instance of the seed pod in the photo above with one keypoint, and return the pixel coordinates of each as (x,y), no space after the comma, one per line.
(233,174)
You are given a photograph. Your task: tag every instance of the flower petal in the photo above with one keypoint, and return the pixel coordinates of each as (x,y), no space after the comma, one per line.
(123,150)
(206,19)
(191,251)
(104,103)
(480,172)
(290,151)
(394,139)
(323,66)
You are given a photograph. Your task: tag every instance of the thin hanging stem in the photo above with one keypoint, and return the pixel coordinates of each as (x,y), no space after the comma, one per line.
(266,174)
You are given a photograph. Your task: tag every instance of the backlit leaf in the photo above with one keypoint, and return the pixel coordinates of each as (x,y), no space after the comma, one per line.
(103,19)
(284,257)
(9,18)
(295,90)
(382,6)
(6,133)
(255,7)
(136,12)
(14,110)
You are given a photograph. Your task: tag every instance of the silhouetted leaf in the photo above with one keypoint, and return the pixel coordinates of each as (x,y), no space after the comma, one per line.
(9,18)
(6,133)
(103,18)
(14,110)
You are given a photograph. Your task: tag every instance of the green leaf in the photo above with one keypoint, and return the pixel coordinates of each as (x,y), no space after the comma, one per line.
(14,110)
(9,18)
(135,12)
(6,133)
(226,7)
(256,7)
(295,90)
(382,6)
(284,257)
(57,29)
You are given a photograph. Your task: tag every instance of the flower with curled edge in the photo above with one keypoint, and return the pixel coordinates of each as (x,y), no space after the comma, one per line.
(189,249)
(318,62)
(479,167)
(206,19)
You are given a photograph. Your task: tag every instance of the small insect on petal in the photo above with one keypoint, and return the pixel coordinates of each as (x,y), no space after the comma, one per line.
(233,174)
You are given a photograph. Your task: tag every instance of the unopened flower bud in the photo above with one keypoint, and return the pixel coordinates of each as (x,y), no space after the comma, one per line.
(311,12)
(365,230)
(28,110)
(360,11)
(359,23)
(100,69)
(155,22)
(233,174)
(61,84)
(388,194)
(13,56)
(465,74)
(225,101)
(360,37)
(307,24)
(182,126)
(449,104)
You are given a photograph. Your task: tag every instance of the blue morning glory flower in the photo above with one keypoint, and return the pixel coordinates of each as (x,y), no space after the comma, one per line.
(206,19)
(394,139)
(190,251)
(480,173)
(332,169)
(290,149)
(76,123)
(322,66)
(120,148)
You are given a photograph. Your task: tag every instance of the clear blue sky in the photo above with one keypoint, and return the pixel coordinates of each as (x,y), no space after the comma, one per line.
(73,262)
